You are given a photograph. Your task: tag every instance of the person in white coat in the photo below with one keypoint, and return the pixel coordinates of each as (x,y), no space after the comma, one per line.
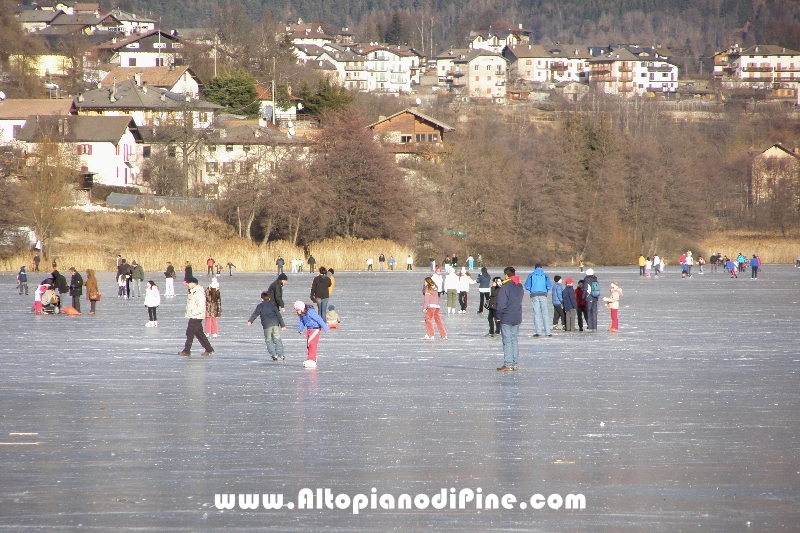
(451,288)
(152,299)
(464,281)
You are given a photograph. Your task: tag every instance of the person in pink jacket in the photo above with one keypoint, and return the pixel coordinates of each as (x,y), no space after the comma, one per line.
(432,310)
(612,302)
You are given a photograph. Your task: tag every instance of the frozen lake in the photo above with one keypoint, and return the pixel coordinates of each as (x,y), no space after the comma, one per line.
(687,420)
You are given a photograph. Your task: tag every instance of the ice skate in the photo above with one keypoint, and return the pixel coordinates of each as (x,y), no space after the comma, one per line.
(308,363)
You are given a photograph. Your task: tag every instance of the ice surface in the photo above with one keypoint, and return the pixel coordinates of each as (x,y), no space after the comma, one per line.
(688,419)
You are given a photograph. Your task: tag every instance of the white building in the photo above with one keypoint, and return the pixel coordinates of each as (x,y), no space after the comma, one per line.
(481,75)
(108,147)
(623,73)
(175,79)
(764,65)
(151,49)
(495,40)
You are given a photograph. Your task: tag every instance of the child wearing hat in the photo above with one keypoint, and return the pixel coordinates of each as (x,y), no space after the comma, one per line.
(570,305)
(612,302)
(332,317)
(312,323)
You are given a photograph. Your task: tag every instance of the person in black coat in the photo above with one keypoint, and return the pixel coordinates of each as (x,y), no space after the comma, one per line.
(76,288)
(275,291)
(60,283)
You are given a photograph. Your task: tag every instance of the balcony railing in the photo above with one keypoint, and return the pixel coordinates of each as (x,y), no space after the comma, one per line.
(558,66)
(357,67)
(664,68)
(628,76)
(455,73)
(601,77)
(626,89)
(600,69)
(625,68)
(381,58)
(380,68)
(788,69)
(758,78)
(749,68)
(399,70)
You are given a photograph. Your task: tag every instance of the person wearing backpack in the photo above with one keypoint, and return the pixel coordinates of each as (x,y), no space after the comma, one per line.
(591,294)
(22,280)
(538,284)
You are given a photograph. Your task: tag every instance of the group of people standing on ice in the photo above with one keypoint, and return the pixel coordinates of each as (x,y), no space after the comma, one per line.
(570,300)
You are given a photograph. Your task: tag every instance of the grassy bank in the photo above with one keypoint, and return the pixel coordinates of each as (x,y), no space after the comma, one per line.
(93,240)
(772,248)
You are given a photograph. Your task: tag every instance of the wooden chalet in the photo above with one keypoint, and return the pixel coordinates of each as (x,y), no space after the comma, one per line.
(410,133)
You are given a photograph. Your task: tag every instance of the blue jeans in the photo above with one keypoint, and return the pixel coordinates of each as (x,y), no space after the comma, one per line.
(322,307)
(510,347)
(591,312)
(540,314)
(272,336)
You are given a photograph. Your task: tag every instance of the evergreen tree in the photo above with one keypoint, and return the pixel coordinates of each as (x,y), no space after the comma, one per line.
(234,89)
(394,34)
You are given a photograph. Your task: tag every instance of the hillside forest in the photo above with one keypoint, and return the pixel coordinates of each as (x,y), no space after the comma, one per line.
(693,29)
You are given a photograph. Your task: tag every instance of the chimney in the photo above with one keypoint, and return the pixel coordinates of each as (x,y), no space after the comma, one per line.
(144,87)
(137,78)
(223,133)
(262,123)
(796,150)
(520,25)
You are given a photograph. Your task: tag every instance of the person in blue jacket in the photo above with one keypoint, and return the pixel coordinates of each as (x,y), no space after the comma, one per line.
(754,265)
(538,284)
(312,323)
(558,304)
(508,311)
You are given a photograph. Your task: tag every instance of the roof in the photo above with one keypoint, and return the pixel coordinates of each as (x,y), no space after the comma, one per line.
(252,134)
(620,54)
(527,50)
(769,50)
(476,53)
(129,96)
(80,19)
(311,50)
(133,38)
(75,128)
(129,17)
(781,147)
(165,77)
(419,115)
(37,15)
(568,51)
(22,108)
(85,6)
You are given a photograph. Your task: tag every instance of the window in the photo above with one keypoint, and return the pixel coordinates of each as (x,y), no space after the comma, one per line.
(203,117)
(488,67)
(212,147)
(229,148)
(15,130)
(146,151)
(131,61)
(159,61)
(228,167)
(212,167)
(420,137)
(84,149)
(246,147)
(477,67)
(528,62)
(405,139)
(171,151)
(116,149)
(433,137)
(246,166)
(477,78)
(488,78)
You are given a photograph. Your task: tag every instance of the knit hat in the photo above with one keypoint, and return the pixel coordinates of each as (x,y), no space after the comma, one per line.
(331,308)
(568,281)
(283,277)
(214,283)
(589,272)
(192,280)
(299,306)
(614,285)
(438,270)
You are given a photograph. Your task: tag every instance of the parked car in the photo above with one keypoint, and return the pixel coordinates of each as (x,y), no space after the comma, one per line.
(51,86)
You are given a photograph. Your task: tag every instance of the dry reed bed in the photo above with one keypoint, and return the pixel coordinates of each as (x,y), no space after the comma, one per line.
(341,254)
(772,249)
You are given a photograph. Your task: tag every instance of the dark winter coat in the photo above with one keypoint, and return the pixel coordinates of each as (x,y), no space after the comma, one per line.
(492,304)
(187,272)
(320,287)
(570,302)
(509,302)
(484,279)
(169,272)
(76,285)
(60,282)
(213,303)
(275,291)
(269,314)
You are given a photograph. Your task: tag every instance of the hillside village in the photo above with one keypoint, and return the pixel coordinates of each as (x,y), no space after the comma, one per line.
(140,98)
